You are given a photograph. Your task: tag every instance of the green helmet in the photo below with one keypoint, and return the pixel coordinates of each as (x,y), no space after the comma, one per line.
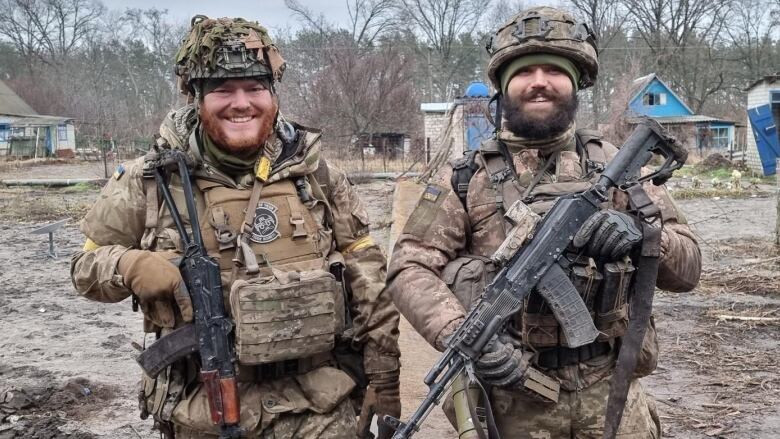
(226,48)
(544,30)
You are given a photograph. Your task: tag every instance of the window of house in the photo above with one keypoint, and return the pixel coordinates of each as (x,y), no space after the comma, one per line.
(62,133)
(17,131)
(4,133)
(654,99)
(775,95)
(720,137)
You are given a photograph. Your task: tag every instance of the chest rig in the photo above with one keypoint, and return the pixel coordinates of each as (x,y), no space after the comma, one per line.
(602,285)
(280,270)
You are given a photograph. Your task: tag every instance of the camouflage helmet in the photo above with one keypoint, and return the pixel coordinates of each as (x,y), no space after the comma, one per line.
(544,30)
(226,48)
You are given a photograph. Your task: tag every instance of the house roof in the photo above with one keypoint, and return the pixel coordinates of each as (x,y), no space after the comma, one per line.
(640,85)
(768,78)
(11,103)
(435,107)
(678,120)
(33,120)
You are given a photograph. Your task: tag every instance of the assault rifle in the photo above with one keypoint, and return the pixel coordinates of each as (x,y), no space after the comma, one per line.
(541,265)
(210,335)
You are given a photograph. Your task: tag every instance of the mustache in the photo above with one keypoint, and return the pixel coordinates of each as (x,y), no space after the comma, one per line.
(541,94)
(239,113)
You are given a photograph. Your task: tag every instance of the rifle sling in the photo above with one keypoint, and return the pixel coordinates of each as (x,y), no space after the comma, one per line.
(490,420)
(641,307)
(244,253)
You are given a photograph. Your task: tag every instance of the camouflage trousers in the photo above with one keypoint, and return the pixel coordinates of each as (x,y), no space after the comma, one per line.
(577,415)
(336,424)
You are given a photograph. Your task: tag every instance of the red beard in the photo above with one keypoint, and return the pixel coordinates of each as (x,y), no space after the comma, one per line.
(242,143)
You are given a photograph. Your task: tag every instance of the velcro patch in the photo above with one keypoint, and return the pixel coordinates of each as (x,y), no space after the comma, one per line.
(423,215)
(119,172)
(431,193)
(263,169)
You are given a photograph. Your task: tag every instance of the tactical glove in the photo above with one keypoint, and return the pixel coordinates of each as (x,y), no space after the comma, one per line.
(609,234)
(502,365)
(382,398)
(153,277)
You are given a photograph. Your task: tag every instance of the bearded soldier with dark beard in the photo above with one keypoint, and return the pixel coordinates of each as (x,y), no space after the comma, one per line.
(442,260)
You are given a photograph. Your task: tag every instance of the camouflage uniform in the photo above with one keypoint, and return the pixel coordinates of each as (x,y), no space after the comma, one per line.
(425,248)
(441,261)
(313,400)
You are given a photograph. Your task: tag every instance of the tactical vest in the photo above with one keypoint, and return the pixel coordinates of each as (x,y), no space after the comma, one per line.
(603,286)
(294,307)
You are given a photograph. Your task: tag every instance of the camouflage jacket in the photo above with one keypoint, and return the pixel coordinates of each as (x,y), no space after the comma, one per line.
(425,247)
(117,222)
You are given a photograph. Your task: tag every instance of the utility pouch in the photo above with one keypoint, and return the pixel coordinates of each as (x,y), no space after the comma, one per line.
(586,279)
(467,276)
(611,303)
(286,315)
(158,396)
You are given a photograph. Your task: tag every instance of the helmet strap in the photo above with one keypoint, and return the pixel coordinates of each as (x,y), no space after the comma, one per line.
(499,110)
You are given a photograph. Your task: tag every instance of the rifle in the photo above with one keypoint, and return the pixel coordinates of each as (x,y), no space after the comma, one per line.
(541,265)
(210,335)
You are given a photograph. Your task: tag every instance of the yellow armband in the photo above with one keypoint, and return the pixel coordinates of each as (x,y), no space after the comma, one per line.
(90,245)
(359,244)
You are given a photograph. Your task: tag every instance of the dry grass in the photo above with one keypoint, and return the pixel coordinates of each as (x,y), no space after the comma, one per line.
(357,166)
(25,205)
(687,193)
(9,164)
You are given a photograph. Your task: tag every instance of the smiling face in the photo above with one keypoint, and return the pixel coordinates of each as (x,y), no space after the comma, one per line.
(238,115)
(540,102)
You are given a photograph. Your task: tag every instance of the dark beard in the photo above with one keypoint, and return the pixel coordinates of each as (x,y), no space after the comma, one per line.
(246,147)
(527,125)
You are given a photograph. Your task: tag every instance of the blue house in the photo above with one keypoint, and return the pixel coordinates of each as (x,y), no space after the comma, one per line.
(651,96)
(25,133)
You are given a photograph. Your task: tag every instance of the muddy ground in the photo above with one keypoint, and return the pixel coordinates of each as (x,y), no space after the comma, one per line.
(67,369)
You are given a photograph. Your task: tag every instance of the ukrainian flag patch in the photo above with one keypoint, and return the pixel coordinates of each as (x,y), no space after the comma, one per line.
(431,193)
(119,172)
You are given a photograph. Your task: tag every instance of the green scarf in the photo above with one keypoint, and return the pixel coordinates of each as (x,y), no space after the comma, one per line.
(561,142)
(226,162)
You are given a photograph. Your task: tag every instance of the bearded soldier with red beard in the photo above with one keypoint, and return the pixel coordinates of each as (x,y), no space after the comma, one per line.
(314,334)
(442,261)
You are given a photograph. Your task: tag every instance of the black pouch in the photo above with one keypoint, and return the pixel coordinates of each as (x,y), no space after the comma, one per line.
(611,303)
(586,279)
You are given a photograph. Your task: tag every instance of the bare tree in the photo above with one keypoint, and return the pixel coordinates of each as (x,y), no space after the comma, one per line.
(443,21)
(500,12)
(444,25)
(368,19)
(366,93)
(752,30)
(683,38)
(606,19)
(48,29)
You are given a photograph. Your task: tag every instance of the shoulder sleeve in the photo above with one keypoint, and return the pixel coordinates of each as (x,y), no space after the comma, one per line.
(433,236)
(114,223)
(374,318)
(119,214)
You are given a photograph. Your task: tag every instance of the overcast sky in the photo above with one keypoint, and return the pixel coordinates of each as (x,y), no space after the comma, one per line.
(270,13)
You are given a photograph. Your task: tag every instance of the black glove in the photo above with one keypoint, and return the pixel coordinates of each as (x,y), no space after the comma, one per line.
(609,234)
(501,364)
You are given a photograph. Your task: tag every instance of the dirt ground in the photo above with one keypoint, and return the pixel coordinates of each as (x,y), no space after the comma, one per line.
(67,368)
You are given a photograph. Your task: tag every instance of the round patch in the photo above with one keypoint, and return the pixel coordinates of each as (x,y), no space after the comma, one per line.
(265,228)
